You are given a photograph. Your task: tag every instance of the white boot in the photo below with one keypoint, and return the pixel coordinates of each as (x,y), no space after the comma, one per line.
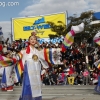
(79,28)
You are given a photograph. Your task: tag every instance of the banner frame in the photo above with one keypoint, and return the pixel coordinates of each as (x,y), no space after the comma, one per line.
(12,24)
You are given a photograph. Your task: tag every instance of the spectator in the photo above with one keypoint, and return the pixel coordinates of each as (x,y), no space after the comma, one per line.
(86,77)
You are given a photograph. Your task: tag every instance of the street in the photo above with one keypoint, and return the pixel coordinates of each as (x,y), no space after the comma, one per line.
(68,92)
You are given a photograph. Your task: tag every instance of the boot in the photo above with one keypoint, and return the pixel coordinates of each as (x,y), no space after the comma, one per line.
(10,88)
(4,89)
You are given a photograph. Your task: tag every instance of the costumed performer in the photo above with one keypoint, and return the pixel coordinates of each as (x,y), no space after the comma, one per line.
(31,86)
(8,76)
(97,88)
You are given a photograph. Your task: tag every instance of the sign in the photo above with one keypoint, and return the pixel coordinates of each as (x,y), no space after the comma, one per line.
(22,27)
(54,40)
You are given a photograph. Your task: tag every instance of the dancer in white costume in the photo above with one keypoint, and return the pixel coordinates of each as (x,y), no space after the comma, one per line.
(31,87)
(7,81)
(8,77)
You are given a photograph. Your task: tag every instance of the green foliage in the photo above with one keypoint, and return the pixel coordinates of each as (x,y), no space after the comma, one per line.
(60,29)
(85,17)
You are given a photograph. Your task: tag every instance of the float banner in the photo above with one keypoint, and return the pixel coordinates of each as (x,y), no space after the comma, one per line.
(54,40)
(22,27)
(96,15)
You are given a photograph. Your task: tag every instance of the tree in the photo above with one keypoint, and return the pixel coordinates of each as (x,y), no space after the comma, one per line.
(60,29)
(89,30)
(85,36)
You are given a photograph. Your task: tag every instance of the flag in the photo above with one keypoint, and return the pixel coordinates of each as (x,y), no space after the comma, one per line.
(97,62)
(19,69)
(96,15)
(97,38)
(52,55)
(69,38)
(95,18)
(63,48)
(19,56)
(5,62)
(98,66)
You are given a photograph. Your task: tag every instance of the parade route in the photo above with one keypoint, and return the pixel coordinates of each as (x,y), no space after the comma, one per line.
(67,92)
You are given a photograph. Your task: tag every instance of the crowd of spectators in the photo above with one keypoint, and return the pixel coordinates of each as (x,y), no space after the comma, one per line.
(75,70)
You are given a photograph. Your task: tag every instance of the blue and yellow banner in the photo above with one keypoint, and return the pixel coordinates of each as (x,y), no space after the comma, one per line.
(22,27)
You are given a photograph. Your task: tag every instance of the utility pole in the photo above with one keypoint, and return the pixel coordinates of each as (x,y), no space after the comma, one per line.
(87,61)
(11,37)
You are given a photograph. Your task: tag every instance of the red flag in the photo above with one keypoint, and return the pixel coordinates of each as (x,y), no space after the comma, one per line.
(63,48)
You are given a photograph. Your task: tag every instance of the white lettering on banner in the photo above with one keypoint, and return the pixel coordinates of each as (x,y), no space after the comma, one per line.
(55,40)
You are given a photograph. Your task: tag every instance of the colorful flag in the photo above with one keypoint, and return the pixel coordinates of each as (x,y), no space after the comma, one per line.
(19,69)
(5,62)
(63,47)
(97,38)
(52,55)
(97,62)
(98,66)
(69,38)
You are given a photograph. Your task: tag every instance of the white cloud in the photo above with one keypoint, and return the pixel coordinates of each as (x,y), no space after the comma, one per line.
(42,7)
(94,5)
(54,6)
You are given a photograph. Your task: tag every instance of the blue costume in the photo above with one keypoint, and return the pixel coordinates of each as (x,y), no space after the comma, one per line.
(97,88)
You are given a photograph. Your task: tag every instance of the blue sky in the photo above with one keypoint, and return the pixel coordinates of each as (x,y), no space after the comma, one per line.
(9,12)
(42,7)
